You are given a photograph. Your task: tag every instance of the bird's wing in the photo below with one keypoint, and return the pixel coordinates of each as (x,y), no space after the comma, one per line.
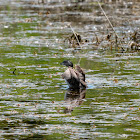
(83,83)
(79,69)
(82,73)
(70,73)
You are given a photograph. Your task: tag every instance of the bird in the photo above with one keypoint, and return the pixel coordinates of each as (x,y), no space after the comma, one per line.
(75,78)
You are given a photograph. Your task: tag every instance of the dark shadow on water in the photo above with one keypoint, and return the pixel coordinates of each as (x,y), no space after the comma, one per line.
(74,98)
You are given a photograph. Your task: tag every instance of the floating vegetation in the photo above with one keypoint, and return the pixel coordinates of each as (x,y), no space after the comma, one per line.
(74,40)
(135,37)
(109,41)
(135,41)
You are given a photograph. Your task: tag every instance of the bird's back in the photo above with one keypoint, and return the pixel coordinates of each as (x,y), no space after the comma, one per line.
(81,76)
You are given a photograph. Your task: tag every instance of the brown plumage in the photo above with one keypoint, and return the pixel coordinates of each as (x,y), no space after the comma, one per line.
(75,78)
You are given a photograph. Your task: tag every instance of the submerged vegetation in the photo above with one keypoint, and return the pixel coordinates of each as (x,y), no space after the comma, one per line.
(103,37)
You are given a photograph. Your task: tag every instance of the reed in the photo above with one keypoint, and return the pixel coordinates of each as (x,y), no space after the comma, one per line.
(116,35)
(75,36)
(107,18)
(78,63)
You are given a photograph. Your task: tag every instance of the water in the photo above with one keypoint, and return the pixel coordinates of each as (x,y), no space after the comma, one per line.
(34,100)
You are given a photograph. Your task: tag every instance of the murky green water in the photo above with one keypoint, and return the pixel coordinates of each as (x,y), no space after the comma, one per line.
(34,100)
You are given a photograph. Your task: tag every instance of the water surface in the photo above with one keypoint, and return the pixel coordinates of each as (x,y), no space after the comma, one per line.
(34,100)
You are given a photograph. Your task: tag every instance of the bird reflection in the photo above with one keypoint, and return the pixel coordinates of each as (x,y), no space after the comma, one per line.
(74,98)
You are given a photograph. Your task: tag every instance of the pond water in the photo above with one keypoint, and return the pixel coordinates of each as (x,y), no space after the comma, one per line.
(35,102)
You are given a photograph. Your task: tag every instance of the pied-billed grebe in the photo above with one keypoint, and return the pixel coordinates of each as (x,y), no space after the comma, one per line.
(75,78)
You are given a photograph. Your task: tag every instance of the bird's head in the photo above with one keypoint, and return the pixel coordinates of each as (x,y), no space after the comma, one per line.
(67,63)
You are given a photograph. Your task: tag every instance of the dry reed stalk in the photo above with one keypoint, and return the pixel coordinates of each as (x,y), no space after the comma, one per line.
(77,41)
(116,35)
(107,18)
(75,36)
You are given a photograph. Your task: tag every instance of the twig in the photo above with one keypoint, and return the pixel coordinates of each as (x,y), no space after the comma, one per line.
(77,41)
(109,23)
(107,18)
(75,36)
(79,61)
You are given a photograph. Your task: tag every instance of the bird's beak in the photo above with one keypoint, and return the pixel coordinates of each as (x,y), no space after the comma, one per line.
(62,64)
